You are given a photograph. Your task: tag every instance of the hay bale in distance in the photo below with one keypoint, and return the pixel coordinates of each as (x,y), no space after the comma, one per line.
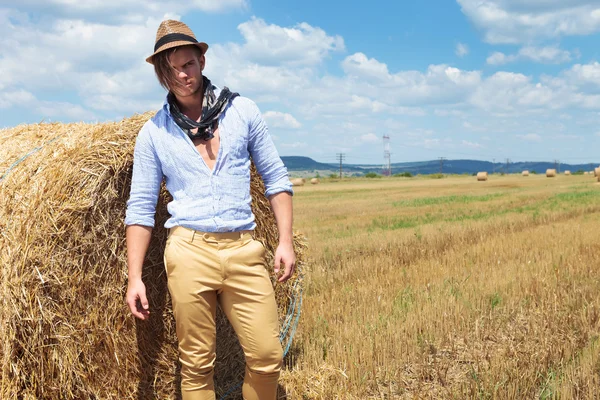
(297,181)
(550,173)
(66,332)
(525,173)
(567,172)
(314,181)
(482,176)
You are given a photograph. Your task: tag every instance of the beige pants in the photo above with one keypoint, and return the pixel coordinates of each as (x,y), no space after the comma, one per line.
(229,268)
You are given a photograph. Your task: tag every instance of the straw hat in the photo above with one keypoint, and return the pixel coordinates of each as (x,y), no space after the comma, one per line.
(173,33)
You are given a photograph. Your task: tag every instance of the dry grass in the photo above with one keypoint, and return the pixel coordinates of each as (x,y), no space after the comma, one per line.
(449,289)
(418,288)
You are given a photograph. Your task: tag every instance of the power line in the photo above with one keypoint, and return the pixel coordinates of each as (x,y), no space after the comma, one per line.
(340,157)
(387,161)
(442,159)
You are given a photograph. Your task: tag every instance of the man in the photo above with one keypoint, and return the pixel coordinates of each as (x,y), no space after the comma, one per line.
(201,142)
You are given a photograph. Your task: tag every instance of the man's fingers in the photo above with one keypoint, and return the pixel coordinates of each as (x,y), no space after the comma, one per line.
(133,308)
(289,270)
(144,300)
(277,264)
(137,311)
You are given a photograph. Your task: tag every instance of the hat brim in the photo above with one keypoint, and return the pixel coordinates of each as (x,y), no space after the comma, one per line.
(203,46)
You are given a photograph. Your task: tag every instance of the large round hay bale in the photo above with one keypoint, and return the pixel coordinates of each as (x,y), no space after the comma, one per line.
(525,173)
(567,172)
(550,173)
(314,181)
(597,171)
(65,330)
(482,176)
(297,181)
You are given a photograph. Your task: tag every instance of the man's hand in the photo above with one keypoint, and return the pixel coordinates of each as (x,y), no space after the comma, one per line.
(136,299)
(285,255)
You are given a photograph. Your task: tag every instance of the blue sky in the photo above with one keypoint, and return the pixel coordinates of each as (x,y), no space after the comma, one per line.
(478,79)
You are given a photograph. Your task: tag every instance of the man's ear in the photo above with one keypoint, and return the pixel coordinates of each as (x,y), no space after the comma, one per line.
(202,61)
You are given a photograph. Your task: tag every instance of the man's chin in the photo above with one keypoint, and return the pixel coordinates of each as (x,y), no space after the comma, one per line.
(186,92)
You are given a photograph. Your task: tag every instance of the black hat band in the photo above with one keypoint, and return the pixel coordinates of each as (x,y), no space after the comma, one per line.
(174,37)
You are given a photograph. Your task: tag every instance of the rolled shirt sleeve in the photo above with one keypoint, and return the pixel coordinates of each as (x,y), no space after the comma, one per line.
(265,156)
(145,182)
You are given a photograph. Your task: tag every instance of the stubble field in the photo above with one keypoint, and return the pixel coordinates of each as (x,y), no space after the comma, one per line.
(449,288)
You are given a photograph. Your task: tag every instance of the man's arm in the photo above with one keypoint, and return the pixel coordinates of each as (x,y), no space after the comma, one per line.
(281,203)
(139,218)
(138,239)
(278,188)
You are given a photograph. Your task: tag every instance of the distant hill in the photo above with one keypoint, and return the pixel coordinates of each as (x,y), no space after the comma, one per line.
(297,163)
(307,164)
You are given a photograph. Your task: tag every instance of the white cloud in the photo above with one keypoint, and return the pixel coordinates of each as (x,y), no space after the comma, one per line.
(439,84)
(276,119)
(545,55)
(517,93)
(295,145)
(530,137)
(58,110)
(419,133)
(121,11)
(431,143)
(521,21)
(461,50)
(359,65)
(272,44)
(448,113)
(16,98)
(47,110)
(370,138)
(97,70)
(499,58)
(582,75)
(568,137)
(471,145)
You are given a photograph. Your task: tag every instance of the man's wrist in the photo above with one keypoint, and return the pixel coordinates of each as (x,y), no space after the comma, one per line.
(286,239)
(134,276)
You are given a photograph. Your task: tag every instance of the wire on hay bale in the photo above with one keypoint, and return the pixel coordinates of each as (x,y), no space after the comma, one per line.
(550,173)
(567,172)
(65,330)
(297,181)
(314,181)
(482,176)
(525,173)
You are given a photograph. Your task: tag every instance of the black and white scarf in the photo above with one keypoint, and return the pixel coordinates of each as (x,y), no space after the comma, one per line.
(212,108)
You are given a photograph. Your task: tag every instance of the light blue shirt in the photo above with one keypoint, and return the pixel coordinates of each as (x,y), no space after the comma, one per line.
(204,200)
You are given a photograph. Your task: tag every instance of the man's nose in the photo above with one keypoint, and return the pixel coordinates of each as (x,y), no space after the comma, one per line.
(182,75)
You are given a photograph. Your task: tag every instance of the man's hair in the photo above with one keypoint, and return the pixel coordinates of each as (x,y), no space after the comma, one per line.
(165,73)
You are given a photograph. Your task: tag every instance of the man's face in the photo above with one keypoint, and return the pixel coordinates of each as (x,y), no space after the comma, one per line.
(187,66)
